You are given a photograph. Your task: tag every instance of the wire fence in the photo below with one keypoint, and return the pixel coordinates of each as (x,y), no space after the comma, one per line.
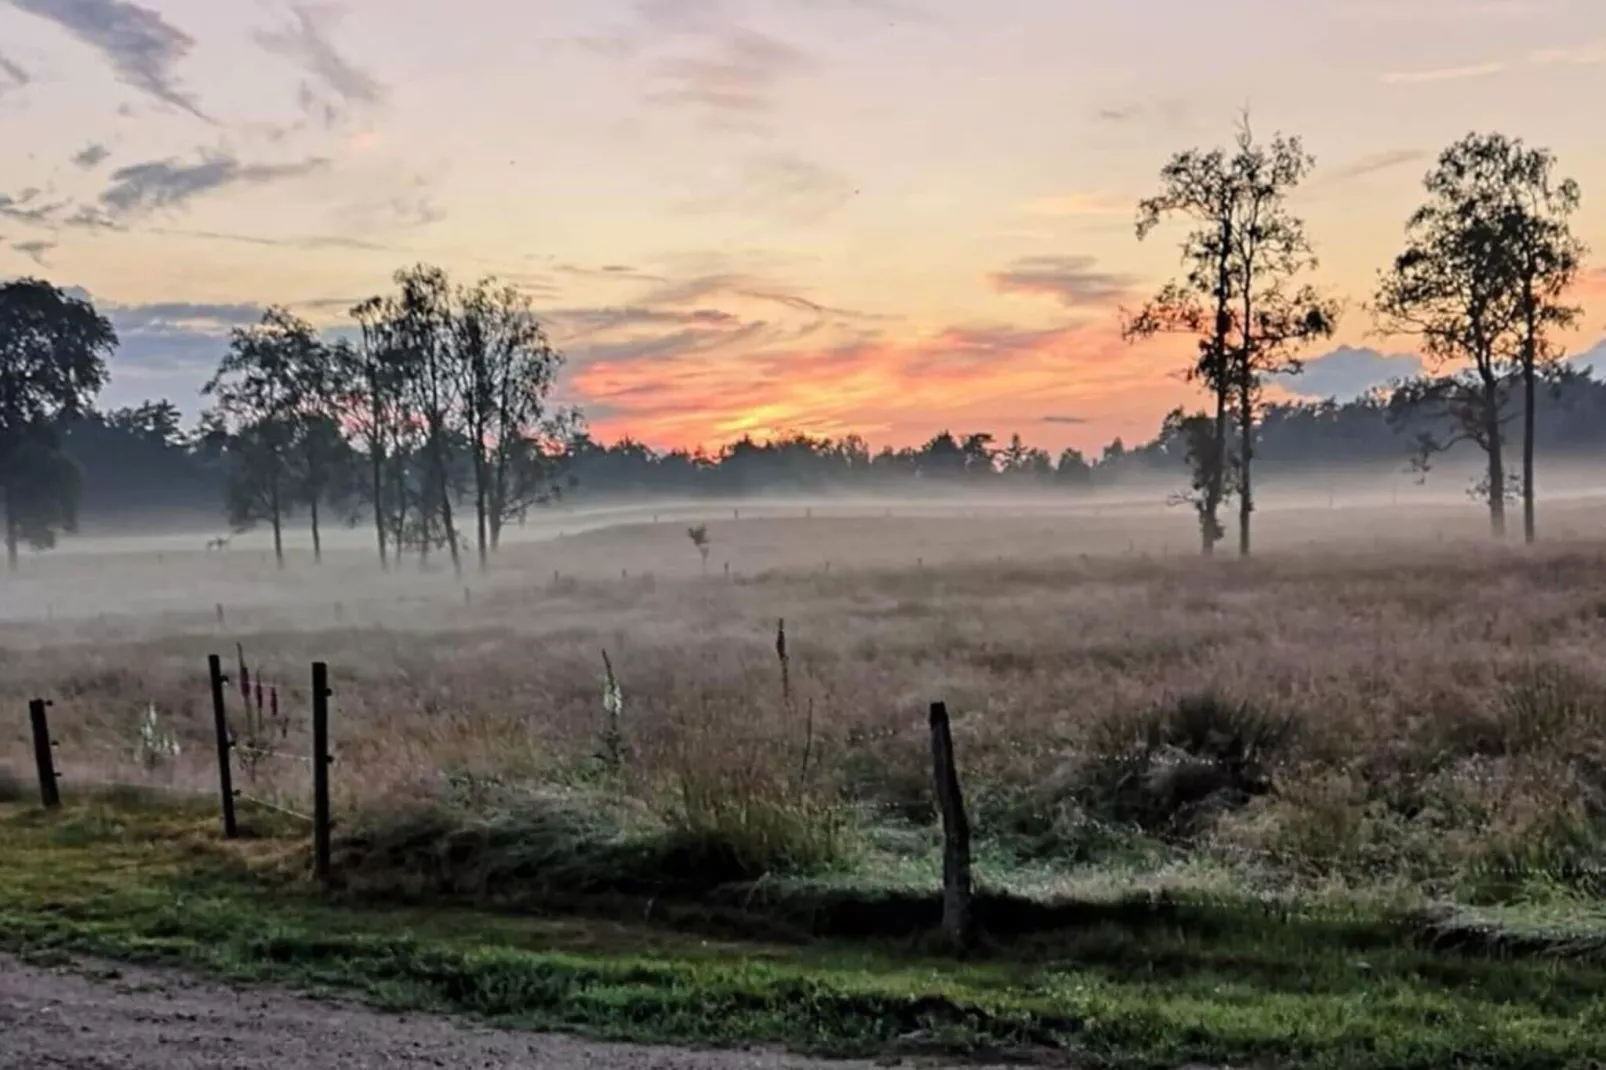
(267,756)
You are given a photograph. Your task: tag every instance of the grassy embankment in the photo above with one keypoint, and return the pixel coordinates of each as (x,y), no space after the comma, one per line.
(1127,981)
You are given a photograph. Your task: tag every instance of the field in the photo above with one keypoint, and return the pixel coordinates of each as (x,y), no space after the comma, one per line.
(1340,804)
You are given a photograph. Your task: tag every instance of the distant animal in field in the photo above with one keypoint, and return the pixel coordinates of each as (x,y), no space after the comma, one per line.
(219,543)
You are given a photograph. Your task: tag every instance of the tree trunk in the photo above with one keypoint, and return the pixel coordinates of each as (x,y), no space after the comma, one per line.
(379,508)
(1217,490)
(1246,447)
(278,521)
(481,533)
(376,454)
(317,537)
(443,489)
(11,534)
(1497,469)
(1216,493)
(1529,357)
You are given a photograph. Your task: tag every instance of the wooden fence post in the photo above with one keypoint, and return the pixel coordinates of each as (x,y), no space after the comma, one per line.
(220,724)
(49,790)
(320,769)
(958,926)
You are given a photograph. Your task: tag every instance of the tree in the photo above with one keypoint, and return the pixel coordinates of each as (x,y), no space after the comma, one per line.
(421,327)
(1268,250)
(505,370)
(1200,187)
(1451,288)
(1237,297)
(258,387)
(321,453)
(1513,188)
(53,351)
(373,404)
(157,422)
(1196,434)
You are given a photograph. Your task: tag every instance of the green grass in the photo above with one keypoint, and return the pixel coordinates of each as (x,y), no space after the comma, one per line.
(1210,982)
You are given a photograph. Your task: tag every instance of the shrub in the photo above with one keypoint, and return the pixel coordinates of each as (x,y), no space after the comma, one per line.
(1170,770)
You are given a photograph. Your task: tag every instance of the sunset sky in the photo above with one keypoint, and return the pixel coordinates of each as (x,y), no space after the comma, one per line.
(882,216)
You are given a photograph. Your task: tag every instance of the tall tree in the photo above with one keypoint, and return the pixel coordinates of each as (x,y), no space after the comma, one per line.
(321,453)
(1201,188)
(506,369)
(258,390)
(374,405)
(422,329)
(1514,189)
(1452,289)
(53,350)
(1268,251)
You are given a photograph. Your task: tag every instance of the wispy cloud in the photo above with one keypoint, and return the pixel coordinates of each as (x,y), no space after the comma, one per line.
(334,82)
(91,156)
(156,185)
(1372,163)
(1073,281)
(141,46)
(34,250)
(1058,419)
(739,73)
(781,187)
(183,315)
(1576,55)
(1068,205)
(12,74)
(26,207)
(1444,74)
(294,242)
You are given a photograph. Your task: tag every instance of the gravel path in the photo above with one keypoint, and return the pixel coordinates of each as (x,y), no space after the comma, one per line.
(100,1017)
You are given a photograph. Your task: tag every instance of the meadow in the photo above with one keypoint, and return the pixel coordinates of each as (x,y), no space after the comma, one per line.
(1381,716)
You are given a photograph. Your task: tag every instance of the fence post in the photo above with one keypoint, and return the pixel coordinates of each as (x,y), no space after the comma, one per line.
(958,925)
(320,769)
(49,790)
(220,723)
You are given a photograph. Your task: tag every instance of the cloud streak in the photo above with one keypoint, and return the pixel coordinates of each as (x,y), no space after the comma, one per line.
(156,185)
(306,43)
(1375,162)
(740,75)
(12,74)
(1073,281)
(141,46)
(1444,74)
(34,250)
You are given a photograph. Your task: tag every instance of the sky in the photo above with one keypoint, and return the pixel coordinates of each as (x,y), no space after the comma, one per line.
(887,217)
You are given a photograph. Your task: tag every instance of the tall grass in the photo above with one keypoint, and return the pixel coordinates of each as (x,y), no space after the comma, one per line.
(1433,715)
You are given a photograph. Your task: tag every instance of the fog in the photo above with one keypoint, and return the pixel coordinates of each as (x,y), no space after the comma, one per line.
(109,580)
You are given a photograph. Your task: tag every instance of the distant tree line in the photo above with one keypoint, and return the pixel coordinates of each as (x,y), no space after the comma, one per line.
(436,426)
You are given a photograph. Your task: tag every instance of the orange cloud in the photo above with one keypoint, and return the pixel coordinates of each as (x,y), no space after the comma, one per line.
(893,390)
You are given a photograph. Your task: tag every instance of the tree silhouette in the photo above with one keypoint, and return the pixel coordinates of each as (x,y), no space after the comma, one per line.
(1200,187)
(1451,288)
(53,351)
(1513,189)
(258,386)
(1267,252)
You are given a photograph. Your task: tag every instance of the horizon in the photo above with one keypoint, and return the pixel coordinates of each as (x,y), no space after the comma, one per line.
(753,218)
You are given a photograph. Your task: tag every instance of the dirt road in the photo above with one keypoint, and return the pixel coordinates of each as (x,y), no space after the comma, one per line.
(99,1017)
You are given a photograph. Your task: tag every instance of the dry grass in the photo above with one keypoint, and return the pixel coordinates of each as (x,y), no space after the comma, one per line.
(1415,710)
